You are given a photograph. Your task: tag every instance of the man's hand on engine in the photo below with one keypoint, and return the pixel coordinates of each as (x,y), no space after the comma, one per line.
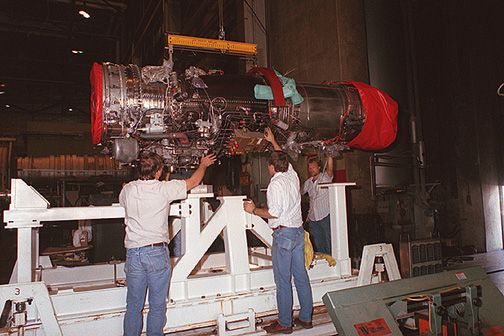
(199,173)
(268,134)
(208,160)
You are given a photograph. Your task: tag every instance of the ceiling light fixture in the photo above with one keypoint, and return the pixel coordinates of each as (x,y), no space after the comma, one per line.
(7,105)
(75,51)
(84,14)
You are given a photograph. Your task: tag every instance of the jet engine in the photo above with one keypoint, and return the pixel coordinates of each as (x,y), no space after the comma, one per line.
(185,116)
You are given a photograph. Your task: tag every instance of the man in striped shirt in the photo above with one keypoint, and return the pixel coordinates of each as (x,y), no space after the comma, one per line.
(318,216)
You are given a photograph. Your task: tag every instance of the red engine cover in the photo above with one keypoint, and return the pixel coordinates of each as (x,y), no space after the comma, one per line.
(96,103)
(380,127)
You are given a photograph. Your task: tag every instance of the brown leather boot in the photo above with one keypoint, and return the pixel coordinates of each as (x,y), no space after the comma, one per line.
(276,328)
(304,324)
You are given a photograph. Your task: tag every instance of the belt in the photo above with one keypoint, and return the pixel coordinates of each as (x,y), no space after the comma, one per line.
(279,227)
(156,244)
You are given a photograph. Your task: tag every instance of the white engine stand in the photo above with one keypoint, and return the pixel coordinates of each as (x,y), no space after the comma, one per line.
(87,300)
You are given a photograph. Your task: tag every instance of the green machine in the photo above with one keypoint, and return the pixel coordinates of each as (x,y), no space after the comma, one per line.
(459,303)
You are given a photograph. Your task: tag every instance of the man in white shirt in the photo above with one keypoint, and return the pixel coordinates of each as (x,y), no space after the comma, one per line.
(146,202)
(318,216)
(284,217)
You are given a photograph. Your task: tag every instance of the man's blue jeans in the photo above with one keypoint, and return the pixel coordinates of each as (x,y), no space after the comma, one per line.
(288,260)
(146,268)
(321,233)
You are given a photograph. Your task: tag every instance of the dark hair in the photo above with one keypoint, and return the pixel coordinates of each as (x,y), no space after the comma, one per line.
(279,161)
(149,164)
(315,160)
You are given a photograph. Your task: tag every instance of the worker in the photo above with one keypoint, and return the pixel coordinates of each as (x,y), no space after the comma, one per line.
(284,217)
(319,223)
(146,202)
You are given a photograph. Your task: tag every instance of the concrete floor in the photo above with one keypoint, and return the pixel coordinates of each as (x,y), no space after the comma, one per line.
(492,263)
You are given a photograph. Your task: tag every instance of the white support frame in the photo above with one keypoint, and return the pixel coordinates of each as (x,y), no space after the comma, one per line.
(339,228)
(369,254)
(86,300)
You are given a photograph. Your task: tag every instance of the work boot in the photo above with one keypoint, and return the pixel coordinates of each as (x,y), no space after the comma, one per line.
(276,328)
(304,324)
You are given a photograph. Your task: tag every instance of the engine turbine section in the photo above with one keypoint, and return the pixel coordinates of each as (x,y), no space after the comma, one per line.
(185,116)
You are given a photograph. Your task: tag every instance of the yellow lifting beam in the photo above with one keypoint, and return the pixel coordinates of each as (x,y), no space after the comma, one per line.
(204,44)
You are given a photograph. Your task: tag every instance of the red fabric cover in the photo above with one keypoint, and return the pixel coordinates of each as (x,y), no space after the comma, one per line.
(380,127)
(96,103)
(273,81)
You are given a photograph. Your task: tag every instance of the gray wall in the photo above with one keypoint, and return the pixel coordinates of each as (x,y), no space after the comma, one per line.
(459,71)
(319,41)
(456,70)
